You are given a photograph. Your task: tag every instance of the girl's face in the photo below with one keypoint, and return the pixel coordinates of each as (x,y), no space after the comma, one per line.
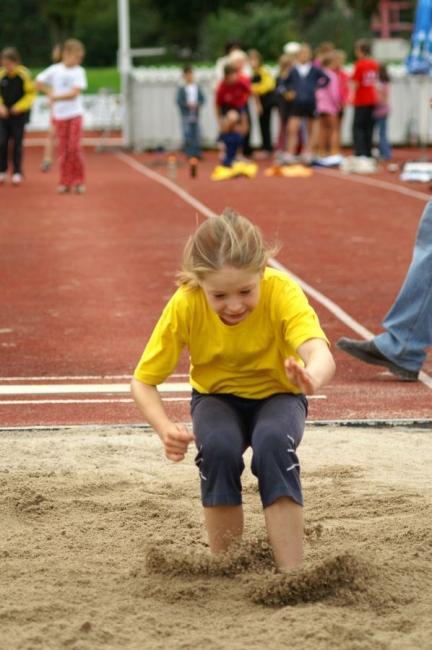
(232,293)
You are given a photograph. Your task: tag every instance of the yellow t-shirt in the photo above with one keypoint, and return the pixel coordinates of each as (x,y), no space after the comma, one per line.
(245,359)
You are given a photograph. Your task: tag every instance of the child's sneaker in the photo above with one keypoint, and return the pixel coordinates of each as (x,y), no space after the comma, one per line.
(62,189)
(2,178)
(16,179)
(80,189)
(46,165)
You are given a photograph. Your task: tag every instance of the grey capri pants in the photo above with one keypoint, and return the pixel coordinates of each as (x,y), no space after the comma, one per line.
(226,425)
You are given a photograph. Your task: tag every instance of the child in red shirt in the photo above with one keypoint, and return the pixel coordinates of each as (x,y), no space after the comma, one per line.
(365,98)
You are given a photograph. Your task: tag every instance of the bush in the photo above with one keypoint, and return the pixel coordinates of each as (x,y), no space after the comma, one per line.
(264,27)
(341,29)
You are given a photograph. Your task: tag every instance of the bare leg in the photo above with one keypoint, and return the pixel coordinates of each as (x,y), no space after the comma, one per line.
(294,123)
(334,135)
(312,136)
(224,525)
(284,521)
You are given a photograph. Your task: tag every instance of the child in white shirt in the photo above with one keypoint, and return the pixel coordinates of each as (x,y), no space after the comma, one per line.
(63,83)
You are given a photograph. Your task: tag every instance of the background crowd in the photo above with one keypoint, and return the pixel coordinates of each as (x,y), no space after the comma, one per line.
(309,93)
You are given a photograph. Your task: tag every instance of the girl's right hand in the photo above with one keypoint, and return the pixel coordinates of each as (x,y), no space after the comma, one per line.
(176,439)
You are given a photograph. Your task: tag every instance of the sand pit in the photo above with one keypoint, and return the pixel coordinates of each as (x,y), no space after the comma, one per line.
(102,546)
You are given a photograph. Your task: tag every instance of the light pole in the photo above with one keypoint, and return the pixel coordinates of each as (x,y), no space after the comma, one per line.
(124,64)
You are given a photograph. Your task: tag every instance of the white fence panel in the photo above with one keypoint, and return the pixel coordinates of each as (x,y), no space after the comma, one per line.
(155,120)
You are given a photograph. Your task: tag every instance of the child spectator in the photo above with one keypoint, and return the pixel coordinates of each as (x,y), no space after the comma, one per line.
(322,51)
(365,77)
(232,92)
(284,100)
(263,89)
(381,112)
(63,83)
(56,56)
(189,99)
(303,80)
(17,94)
(339,59)
(329,105)
(239,60)
(256,349)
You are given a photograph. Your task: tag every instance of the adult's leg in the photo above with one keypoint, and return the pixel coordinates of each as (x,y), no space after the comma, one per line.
(277,431)
(17,123)
(221,441)
(4,144)
(408,324)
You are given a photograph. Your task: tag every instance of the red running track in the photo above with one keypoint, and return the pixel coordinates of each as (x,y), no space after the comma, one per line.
(83,279)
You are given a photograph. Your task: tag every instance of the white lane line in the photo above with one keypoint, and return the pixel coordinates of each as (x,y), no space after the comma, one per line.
(56,389)
(82,377)
(332,307)
(375,182)
(118,400)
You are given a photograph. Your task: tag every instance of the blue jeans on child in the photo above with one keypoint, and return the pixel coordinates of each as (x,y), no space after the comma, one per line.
(232,142)
(226,425)
(408,324)
(191,136)
(383,143)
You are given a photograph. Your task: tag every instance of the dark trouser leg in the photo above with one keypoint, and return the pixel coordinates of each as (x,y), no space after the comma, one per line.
(264,121)
(17,124)
(220,441)
(362,130)
(247,149)
(4,144)
(277,432)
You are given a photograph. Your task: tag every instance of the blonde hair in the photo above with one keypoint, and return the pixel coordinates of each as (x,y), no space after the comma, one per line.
(227,240)
(73,45)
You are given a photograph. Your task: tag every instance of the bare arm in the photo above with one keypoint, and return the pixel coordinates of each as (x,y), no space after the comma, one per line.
(70,95)
(174,436)
(319,366)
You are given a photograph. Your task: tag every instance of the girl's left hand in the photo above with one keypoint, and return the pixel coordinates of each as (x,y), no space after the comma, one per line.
(299,376)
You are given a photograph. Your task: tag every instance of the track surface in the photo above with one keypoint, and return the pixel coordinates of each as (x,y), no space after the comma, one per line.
(83,279)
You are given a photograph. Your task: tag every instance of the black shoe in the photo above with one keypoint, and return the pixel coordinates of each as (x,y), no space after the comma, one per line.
(367,351)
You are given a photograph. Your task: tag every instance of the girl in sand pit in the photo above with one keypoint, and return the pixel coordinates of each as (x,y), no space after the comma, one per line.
(256,348)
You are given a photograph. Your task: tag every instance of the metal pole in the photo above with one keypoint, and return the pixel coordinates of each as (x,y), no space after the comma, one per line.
(124,64)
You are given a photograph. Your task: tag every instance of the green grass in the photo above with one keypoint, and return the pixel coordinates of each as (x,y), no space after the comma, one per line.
(97,78)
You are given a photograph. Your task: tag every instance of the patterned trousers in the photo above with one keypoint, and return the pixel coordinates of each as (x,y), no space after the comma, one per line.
(70,154)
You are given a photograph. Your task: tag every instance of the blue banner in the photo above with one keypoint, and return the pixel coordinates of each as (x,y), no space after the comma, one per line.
(419,60)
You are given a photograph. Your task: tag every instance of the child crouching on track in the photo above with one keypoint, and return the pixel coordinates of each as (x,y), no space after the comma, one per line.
(63,83)
(256,348)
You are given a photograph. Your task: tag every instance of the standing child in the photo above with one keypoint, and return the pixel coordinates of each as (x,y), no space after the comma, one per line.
(382,110)
(303,80)
(256,348)
(284,99)
(329,105)
(63,83)
(364,76)
(189,99)
(263,89)
(48,152)
(17,94)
